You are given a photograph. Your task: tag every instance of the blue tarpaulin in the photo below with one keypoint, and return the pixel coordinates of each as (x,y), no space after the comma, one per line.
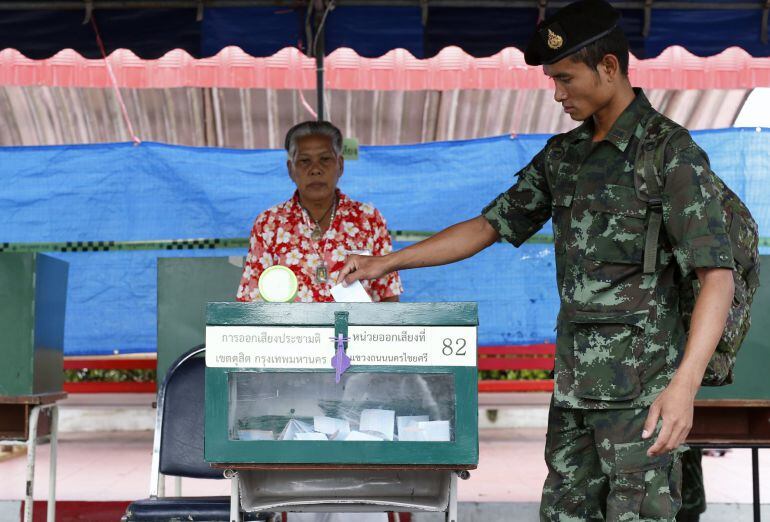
(123,192)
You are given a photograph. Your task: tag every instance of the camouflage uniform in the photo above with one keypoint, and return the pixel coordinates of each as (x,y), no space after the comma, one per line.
(620,335)
(693,491)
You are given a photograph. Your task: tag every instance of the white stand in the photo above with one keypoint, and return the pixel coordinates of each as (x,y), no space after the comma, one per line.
(31,445)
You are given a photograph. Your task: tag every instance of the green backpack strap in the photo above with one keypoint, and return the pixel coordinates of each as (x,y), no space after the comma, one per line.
(651,157)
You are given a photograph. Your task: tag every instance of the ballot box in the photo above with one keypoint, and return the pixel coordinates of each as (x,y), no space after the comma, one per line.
(393,429)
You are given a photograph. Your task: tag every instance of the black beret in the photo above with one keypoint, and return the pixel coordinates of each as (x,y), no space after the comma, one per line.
(569,30)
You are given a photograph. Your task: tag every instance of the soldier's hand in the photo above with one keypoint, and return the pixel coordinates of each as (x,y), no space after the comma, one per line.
(675,405)
(362,268)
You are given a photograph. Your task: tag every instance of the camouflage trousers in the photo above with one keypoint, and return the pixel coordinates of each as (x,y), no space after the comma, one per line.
(598,469)
(693,492)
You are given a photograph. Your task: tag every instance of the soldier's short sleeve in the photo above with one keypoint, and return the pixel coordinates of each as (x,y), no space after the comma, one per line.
(692,210)
(520,211)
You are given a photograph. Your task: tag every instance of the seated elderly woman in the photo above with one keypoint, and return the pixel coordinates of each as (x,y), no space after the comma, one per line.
(318,226)
(312,233)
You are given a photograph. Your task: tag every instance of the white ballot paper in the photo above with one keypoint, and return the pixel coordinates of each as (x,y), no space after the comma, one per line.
(408,429)
(247,434)
(353,293)
(310,436)
(378,421)
(434,431)
(337,428)
(293,427)
(357,435)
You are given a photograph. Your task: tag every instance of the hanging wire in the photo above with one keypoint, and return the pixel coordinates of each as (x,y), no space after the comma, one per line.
(307,106)
(114,82)
(320,27)
(313,48)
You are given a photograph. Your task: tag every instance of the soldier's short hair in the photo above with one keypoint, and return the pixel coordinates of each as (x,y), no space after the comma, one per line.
(614,43)
(312,128)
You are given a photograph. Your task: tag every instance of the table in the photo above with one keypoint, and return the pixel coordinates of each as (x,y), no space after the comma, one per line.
(733,423)
(22,425)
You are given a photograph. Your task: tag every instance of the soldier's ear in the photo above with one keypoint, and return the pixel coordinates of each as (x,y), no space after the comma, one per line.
(610,67)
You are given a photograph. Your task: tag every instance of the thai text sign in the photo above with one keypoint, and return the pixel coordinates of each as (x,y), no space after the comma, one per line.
(313,347)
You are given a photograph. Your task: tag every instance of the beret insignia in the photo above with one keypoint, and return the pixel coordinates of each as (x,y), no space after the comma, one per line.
(554,40)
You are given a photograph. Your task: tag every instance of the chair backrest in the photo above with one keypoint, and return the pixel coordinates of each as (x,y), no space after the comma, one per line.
(181,400)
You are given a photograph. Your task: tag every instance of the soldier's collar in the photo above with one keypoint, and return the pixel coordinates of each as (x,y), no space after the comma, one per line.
(623,129)
(584,131)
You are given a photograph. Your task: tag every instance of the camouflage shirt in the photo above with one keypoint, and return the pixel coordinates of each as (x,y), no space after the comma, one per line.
(620,335)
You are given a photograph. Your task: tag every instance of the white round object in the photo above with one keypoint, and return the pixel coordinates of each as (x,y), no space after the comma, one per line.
(278,284)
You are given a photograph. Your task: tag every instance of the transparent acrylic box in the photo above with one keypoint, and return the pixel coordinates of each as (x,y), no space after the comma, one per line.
(363,406)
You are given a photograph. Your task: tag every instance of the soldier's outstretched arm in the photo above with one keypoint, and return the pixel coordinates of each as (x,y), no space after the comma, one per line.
(452,244)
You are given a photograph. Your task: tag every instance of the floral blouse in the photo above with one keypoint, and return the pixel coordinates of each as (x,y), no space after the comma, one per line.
(282,236)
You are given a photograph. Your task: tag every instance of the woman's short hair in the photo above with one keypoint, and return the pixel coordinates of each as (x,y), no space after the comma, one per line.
(312,128)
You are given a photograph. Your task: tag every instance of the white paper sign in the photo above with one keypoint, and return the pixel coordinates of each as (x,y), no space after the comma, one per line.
(313,347)
(412,345)
(269,347)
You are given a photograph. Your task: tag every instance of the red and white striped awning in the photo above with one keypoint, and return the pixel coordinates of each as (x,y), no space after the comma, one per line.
(397,70)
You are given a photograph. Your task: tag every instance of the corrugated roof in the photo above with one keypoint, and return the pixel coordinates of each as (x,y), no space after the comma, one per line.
(397,70)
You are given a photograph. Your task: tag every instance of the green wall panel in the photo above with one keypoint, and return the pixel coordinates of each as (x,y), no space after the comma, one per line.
(33,290)
(185,285)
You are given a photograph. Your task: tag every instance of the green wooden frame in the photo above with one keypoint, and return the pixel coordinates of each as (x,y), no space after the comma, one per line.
(461,452)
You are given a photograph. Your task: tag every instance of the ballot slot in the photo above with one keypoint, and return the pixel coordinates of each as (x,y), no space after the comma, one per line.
(364,406)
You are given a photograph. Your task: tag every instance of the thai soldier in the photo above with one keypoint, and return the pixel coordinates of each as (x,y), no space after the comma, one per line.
(626,374)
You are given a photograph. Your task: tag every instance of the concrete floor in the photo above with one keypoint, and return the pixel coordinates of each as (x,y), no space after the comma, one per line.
(116,466)
(113,462)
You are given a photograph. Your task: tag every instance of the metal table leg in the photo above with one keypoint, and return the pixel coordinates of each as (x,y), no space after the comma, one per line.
(161,485)
(31,443)
(235,499)
(451,513)
(755,481)
(51,513)
(31,449)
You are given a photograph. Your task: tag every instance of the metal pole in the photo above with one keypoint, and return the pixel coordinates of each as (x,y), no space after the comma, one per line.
(319,67)
(755,481)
